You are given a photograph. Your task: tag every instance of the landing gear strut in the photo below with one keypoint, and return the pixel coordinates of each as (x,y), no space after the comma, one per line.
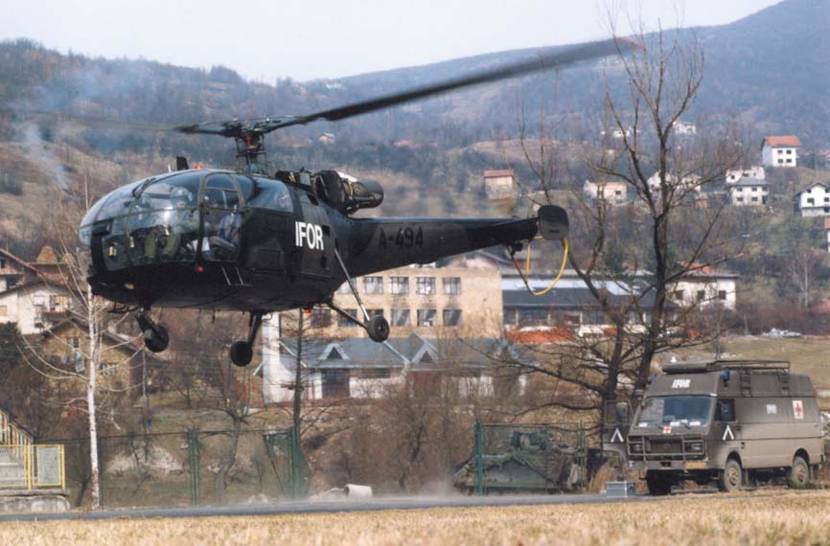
(242,352)
(155,335)
(376,326)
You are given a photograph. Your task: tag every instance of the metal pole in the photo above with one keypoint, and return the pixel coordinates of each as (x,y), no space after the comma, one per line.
(195,466)
(479,466)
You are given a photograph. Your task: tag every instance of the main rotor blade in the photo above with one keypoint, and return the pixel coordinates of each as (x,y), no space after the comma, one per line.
(91,120)
(559,59)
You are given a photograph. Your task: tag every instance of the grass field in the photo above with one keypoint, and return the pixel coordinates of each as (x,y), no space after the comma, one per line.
(767,517)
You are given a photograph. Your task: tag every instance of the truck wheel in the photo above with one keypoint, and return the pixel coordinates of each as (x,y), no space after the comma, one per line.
(731,477)
(799,475)
(658,484)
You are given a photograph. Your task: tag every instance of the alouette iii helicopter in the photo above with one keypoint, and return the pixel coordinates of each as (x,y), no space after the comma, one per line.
(258,242)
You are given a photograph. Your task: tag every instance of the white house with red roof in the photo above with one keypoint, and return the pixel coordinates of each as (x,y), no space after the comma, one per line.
(780,151)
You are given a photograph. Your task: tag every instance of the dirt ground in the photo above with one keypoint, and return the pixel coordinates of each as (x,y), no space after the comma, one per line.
(762,517)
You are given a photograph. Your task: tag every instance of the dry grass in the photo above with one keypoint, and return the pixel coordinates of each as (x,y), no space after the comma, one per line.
(771,517)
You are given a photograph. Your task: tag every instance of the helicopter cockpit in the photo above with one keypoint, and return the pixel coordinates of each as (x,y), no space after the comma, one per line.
(185,216)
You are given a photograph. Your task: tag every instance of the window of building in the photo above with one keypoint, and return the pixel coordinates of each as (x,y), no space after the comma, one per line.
(722,295)
(425,286)
(2,262)
(400,317)
(510,316)
(754,199)
(426,317)
(533,317)
(811,201)
(335,383)
(399,285)
(700,295)
(739,199)
(343,322)
(320,317)
(789,152)
(678,294)
(780,161)
(452,286)
(373,285)
(452,317)
(375,312)
(789,160)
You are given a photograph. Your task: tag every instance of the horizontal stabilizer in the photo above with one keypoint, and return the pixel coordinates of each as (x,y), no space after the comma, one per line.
(553,222)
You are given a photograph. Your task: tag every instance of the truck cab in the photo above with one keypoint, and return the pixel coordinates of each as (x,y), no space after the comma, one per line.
(729,422)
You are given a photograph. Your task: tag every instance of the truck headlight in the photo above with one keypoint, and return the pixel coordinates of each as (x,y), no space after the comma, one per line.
(697,447)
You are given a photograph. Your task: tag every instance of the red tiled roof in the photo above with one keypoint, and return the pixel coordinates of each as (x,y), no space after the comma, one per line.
(783,141)
(497,173)
(538,336)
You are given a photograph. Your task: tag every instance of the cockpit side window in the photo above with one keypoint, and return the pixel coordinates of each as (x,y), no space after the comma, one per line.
(273,195)
(220,192)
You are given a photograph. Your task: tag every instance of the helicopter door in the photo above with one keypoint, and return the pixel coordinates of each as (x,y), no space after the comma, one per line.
(221,218)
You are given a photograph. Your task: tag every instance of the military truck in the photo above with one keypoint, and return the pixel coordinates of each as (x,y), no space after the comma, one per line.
(730,422)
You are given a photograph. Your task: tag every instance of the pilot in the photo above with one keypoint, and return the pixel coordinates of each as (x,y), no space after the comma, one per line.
(226,241)
(181,222)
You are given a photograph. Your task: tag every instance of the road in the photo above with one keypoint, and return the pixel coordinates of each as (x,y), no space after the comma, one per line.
(320,506)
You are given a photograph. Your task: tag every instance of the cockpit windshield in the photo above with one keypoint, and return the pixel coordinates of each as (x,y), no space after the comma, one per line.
(674,411)
(158,219)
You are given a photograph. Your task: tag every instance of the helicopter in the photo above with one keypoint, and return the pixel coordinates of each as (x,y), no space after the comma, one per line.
(259,242)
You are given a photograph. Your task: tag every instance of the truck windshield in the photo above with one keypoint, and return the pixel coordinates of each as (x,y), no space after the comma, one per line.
(675,411)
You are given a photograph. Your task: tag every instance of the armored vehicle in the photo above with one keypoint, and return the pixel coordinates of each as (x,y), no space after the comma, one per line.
(733,422)
(513,458)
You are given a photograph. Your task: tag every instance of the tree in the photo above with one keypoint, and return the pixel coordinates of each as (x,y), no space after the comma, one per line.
(670,231)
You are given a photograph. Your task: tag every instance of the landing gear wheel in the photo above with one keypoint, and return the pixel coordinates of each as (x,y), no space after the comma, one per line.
(242,353)
(378,328)
(731,477)
(799,475)
(658,484)
(156,338)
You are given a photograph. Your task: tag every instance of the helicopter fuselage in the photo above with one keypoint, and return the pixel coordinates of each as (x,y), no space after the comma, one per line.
(220,240)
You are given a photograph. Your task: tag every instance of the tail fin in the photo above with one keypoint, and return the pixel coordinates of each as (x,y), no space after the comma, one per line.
(553,222)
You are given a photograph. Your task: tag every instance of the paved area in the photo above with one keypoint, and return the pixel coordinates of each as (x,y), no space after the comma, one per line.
(321,506)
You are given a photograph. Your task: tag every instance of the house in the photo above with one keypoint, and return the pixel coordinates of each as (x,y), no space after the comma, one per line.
(359,368)
(34,305)
(748,191)
(688,183)
(500,185)
(326,138)
(705,288)
(64,346)
(14,271)
(569,306)
(814,200)
(684,128)
(780,151)
(612,192)
(426,300)
(734,175)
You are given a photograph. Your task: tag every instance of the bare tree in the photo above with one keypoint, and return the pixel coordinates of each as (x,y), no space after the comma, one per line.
(631,257)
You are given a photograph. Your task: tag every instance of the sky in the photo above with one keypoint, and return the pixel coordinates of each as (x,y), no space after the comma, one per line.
(308,39)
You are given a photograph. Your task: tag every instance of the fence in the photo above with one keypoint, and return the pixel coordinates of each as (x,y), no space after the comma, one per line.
(193,467)
(32,466)
(518,457)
